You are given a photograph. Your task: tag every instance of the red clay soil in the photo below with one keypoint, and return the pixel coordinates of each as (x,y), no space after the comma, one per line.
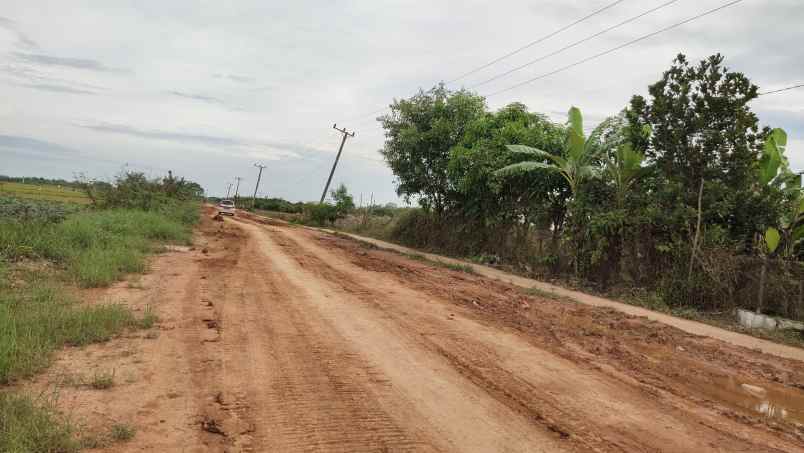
(279,338)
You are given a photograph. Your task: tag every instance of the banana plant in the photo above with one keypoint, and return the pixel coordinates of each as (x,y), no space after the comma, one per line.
(576,162)
(624,168)
(774,170)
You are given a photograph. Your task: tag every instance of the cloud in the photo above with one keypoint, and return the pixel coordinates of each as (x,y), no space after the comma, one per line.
(264,149)
(23,144)
(121,129)
(22,39)
(67,62)
(197,97)
(235,78)
(56,88)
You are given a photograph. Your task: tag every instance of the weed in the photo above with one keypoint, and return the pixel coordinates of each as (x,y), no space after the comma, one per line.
(28,425)
(544,294)
(148,319)
(102,380)
(93,441)
(122,432)
(459,267)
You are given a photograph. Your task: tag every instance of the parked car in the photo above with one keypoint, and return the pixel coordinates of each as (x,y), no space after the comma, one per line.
(226,207)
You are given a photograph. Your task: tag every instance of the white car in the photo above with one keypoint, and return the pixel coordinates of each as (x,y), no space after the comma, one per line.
(226,207)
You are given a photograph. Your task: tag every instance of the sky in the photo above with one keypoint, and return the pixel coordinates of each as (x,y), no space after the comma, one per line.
(210,88)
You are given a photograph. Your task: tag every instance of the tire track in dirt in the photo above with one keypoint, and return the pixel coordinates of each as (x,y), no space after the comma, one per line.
(374,374)
(617,424)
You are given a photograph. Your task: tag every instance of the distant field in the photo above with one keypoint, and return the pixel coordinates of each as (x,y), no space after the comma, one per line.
(43,192)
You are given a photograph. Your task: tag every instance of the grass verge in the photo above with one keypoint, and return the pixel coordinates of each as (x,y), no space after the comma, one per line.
(32,425)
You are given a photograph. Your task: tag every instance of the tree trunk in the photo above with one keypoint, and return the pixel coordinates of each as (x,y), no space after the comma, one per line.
(762,275)
(697,234)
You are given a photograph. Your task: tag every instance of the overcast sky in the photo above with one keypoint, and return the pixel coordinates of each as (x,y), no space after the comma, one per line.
(208,88)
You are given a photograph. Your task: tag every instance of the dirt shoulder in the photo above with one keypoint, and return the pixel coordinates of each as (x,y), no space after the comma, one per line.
(693,327)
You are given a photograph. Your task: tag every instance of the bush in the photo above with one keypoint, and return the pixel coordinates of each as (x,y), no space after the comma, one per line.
(320,214)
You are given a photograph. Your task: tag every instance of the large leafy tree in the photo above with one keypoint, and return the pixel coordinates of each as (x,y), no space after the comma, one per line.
(705,138)
(538,197)
(419,133)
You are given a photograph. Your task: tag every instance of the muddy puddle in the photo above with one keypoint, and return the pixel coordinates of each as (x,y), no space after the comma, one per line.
(781,404)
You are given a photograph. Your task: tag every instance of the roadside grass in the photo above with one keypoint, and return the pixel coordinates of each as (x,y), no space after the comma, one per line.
(32,425)
(38,319)
(95,248)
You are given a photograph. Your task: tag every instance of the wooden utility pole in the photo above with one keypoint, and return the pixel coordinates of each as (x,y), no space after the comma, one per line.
(228,190)
(237,188)
(343,140)
(259,176)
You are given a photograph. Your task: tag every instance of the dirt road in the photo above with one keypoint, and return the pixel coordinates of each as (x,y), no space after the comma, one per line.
(277,338)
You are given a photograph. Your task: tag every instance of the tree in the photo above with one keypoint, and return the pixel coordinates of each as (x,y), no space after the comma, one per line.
(482,151)
(578,159)
(344,203)
(705,138)
(419,133)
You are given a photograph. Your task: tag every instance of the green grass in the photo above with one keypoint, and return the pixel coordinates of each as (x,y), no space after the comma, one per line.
(40,318)
(122,432)
(96,248)
(28,425)
(44,192)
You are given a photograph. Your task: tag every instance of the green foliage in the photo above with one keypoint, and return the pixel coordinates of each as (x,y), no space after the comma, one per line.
(133,190)
(40,317)
(97,248)
(29,425)
(275,205)
(344,203)
(577,161)
(619,207)
(419,133)
(121,432)
(33,210)
(324,214)
(704,130)
(772,238)
(320,214)
(772,156)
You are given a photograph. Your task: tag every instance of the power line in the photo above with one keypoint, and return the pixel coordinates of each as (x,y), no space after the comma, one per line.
(576,43)
(509,54)
(781,89)
(614,49)
(537,41)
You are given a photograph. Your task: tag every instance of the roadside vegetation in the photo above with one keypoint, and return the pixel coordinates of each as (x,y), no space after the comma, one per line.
(45,249)
(682,194)
(681,202)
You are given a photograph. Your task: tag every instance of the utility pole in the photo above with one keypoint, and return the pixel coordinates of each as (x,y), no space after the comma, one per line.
(228,189)
(254,199)
(237,189)
(332,172)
